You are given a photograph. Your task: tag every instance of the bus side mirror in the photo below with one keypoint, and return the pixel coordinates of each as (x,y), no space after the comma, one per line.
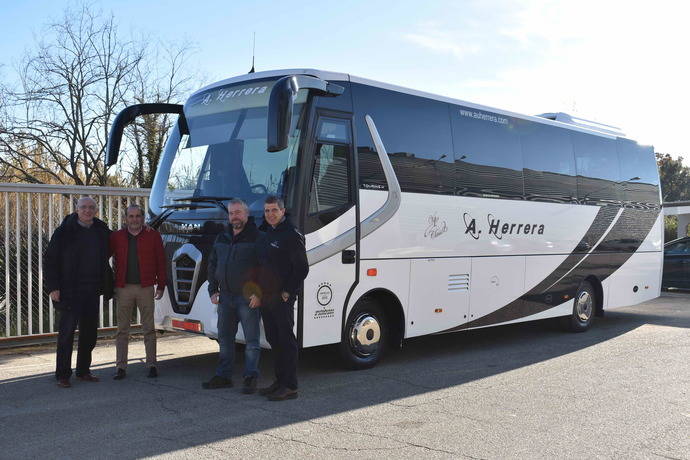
(127,115)
(280,104)
(280,114)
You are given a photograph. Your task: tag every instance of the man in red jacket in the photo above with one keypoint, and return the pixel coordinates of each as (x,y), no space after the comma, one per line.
(139,265)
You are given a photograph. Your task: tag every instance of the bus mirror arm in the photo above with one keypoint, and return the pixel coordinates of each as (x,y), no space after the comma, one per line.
(127,115)
(280,105)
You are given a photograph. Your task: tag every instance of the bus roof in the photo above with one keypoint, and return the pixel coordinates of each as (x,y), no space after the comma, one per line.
(556,119)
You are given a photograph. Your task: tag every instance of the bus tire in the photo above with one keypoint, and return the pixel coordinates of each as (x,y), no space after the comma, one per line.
(584,308)
(364,336)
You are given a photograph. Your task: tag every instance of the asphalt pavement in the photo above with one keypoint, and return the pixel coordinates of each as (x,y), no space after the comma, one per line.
(620,390)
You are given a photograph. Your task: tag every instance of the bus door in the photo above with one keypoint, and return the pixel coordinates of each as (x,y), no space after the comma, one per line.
(330,228)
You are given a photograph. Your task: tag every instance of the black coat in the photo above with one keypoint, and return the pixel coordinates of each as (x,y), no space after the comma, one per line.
(233,264)
(283,261)
(62,258)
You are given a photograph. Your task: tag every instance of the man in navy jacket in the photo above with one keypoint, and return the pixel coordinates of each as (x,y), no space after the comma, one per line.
(284,267)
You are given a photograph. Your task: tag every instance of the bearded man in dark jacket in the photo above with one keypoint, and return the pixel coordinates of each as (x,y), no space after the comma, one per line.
(77,273)
(232,286)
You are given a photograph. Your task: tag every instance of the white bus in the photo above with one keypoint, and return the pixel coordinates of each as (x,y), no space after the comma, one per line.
(422,214)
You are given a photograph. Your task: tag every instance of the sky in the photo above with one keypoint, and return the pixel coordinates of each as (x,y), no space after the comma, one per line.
(620,63)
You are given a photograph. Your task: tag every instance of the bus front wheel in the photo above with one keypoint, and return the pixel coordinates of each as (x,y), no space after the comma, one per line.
(583,309)
(364,335)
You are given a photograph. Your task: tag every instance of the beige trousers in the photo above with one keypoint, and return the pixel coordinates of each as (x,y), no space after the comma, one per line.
(129,297)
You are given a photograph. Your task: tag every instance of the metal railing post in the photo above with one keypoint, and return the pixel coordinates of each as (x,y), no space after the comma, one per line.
(39,248)
(29,267)
(7,264)
(51,309)
(18,253)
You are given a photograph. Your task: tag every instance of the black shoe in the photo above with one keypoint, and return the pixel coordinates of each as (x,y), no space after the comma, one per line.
(269,389)
(282,393)
(249,385)
(121,374)
(153,372)
(217,382)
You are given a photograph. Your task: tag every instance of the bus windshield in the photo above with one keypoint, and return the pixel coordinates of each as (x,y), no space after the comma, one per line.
(224,155)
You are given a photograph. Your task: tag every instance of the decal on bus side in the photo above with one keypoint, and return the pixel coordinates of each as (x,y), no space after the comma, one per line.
(324,295)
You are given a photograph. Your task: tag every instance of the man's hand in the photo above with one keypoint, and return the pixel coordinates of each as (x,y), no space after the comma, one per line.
(285,296)
(55,295)
(215,298)
(254,301)
(159,293)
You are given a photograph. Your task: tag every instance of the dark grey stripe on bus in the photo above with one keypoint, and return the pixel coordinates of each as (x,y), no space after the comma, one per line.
(634,224)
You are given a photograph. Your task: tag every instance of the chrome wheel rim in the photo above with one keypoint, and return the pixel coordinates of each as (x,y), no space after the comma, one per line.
(584,306)
(365,335)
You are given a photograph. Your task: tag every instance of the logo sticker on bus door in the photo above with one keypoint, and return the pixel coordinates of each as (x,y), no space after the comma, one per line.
(324,295)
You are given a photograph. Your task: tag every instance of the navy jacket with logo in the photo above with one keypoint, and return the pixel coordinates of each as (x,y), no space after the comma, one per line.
(283,261)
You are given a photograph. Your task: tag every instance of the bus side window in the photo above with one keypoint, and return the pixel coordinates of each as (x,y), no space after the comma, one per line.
(549,167)
(598,170)
(329,191)
(639,173)
(417,135)
(488,156)
(330,182)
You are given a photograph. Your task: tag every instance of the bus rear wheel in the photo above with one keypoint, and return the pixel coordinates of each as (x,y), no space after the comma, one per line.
(584,308)
(364,335)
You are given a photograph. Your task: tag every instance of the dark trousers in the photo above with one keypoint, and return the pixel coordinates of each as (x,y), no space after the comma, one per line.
(279,320)
(85,316)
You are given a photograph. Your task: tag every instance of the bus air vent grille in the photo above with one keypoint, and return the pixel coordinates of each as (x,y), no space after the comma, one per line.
(459,282)
(186,262)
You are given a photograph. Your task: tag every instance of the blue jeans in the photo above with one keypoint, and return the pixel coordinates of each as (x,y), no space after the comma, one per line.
(231,310)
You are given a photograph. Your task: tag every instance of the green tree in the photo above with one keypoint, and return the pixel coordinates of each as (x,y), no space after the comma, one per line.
(675,178)
(670,228)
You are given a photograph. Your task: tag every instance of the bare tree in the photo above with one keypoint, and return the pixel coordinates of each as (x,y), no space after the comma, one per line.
(56,125)
(160,78)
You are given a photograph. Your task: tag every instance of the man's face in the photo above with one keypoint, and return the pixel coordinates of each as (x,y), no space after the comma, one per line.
(238,216)
(86,210)
(135,220)
(273,214)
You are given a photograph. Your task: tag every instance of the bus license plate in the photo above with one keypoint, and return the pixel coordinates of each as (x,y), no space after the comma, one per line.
(187,325)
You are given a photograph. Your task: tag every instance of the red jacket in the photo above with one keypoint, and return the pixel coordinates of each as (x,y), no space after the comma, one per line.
(151,257)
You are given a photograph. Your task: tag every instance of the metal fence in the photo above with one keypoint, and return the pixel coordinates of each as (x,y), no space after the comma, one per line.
(28,216)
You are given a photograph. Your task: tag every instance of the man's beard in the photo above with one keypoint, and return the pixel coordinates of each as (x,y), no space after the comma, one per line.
(237,224)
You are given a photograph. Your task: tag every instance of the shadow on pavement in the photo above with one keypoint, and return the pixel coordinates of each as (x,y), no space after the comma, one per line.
(141,417)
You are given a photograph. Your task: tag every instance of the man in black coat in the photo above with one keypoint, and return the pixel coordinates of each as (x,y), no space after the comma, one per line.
(232,272)
(77,273)
(284,267)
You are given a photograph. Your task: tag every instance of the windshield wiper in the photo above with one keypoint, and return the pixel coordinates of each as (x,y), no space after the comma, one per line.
(216,200)
(185,206)
(169,208)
